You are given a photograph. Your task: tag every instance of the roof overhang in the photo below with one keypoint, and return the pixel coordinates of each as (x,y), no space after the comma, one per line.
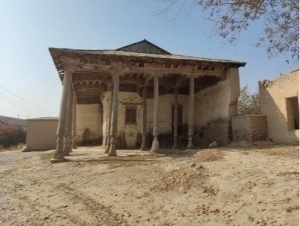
(92,71)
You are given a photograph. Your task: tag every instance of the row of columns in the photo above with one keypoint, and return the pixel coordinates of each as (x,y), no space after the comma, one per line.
(113,111)
(155,143)
(65,141)
(66,131)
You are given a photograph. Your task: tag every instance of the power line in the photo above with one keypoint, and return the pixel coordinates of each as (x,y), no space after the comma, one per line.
(25,99)
(19,106)
(24,105)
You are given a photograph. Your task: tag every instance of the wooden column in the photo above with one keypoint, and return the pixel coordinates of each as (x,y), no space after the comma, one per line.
(68,139)
(175,144)
(100,125)
(109,120)
(155,143)
(74,145)
(191,114)
(61,129)
(114,117)
(144,125)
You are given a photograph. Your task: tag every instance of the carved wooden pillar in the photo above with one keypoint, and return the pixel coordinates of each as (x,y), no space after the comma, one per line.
(191,114)
(155,143)
(61,129)
(74,145)
(109,120)
(175,144)
(144,125)
(114,117)
(68,139)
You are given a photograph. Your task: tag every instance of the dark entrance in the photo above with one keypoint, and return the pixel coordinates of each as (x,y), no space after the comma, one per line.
(180,121)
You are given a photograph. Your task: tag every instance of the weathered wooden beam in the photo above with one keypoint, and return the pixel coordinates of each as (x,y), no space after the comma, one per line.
(144,123)
(191,114)
(74,145)
(78,87)
(67,148)
(163,68)
(114,120)
(155,143)
(61,129)
(88,100)
(109,121)
(175,120)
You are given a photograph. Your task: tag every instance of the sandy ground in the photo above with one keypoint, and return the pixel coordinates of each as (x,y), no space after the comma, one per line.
(253,185)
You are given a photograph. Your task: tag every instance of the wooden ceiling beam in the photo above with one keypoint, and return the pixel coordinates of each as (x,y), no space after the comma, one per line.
(149,68)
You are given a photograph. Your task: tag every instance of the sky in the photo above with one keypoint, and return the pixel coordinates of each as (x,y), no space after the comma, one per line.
(29,83)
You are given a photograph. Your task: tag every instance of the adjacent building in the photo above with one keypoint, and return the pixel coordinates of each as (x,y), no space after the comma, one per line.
(279,101)
(41,134)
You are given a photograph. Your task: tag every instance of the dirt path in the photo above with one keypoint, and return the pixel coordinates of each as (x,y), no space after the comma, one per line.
(227,186)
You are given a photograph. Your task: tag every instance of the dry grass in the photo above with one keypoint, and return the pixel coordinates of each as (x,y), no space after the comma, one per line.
(183,177)
(45,157)
(289,152)
(209,155)
(12,148)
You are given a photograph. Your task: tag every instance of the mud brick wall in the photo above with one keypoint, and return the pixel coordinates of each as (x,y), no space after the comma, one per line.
(249,127)
(88,117)
(273,98)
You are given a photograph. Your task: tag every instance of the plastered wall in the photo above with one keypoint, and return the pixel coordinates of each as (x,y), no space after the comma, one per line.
(273,95)
(88,117)
(127,133)
(214,109)
(41,134)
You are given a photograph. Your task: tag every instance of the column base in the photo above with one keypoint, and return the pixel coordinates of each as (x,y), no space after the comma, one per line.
(53,160)
(143,149)
(155,146)
(107,149)
(112,150)
(190,145)
(175,144)
(74,145)
(143,146)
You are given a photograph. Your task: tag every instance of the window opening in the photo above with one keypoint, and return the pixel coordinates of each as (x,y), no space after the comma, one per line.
(292,107)
(130,114)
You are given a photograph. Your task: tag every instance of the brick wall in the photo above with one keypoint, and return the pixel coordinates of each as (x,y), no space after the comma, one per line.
(249,127)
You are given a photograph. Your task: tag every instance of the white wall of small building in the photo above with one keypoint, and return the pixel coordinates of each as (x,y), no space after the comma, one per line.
(41,134)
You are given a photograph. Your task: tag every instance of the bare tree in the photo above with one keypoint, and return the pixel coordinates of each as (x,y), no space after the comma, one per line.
(279,20)
(248,102)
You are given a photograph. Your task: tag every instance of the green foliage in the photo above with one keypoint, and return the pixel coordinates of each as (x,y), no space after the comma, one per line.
(248,102)
(279,21)
(12,135)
